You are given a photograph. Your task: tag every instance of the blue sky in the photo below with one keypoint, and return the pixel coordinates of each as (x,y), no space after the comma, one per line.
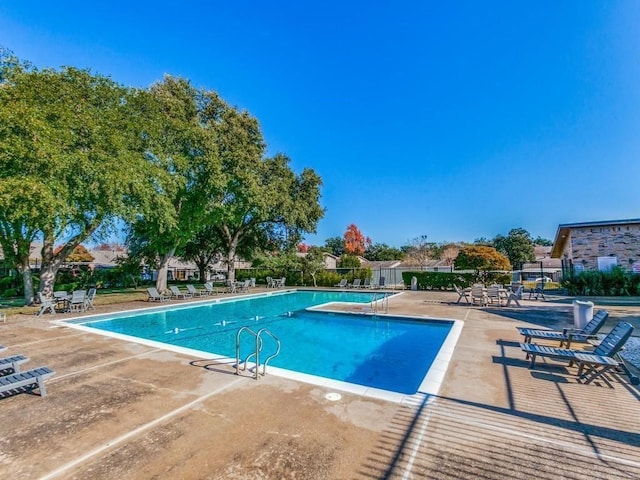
(455,120)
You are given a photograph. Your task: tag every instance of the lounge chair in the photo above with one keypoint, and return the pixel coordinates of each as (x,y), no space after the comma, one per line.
(590,364)
(462,293)
(209,289)
(342,284)
(367,283)
(30,379)
(194,291)
(177,293)
(12,363)
(356,283)
(479,294)
(46,305)
(155,296)
(566,336)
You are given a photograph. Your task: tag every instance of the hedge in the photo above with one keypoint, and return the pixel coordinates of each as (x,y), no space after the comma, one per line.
(446,280)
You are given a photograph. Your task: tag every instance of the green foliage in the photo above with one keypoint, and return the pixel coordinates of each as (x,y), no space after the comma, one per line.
(544,242)
(439,280)
(335,246)
(382,252)
(616,282)
(517,246)
(349,261)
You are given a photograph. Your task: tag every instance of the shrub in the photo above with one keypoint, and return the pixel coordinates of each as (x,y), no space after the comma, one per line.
(439,280)
(616,282)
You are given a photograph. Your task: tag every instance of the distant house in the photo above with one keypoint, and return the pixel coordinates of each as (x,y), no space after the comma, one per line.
(330,260)
(543,266)
(598,245)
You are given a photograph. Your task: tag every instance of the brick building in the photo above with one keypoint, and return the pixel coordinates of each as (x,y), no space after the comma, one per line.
(599,245)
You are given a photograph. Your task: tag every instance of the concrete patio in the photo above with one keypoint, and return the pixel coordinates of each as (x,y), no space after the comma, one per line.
(121,410)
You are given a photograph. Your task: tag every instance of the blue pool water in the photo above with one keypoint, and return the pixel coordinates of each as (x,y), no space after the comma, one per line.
(389,353)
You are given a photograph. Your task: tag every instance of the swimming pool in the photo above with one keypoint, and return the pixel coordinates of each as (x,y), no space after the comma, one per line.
(373,351)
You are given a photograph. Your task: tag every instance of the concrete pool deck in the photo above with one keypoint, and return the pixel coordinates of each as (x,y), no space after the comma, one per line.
(117,409)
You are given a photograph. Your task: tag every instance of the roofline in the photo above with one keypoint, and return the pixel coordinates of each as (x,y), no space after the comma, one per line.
(600,223)
(562,234)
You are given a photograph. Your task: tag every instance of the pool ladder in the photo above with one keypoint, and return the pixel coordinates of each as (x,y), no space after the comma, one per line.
(258,337)
(384,305)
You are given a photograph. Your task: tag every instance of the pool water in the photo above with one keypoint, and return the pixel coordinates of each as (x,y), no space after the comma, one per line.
(389,353)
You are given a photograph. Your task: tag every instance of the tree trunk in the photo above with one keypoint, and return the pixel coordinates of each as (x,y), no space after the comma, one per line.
(231,264)
(163,269)
(27,281)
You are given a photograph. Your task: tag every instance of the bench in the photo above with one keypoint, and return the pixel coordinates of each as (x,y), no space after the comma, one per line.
(13,363)
(31,379)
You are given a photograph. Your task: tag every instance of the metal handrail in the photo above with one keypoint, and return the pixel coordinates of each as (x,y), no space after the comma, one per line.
(259,344)
(277,352)
(385,303)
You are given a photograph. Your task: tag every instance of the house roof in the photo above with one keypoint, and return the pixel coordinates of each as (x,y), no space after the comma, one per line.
(562,235)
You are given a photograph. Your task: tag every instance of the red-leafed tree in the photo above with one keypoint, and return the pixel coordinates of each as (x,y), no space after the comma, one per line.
(355,243)
(303,248)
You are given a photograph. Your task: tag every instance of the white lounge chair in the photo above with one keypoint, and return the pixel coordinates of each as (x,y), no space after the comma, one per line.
(342,284)
(155,296)
(356,283)
(194,291)
(209,289)
(177,293)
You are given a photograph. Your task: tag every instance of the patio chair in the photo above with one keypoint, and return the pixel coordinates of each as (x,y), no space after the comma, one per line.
(515,294)
(342,284)
(12,364)
(77,301)
(462,293)
(479,294)
(244,286)
(209,289)
(566,336)
(537,292)
(496,293)
(46,305)
(155,296)
(91,295)
(30,379)
(590,364)
(356,283)
(367,283)
(177,293)
(270,282)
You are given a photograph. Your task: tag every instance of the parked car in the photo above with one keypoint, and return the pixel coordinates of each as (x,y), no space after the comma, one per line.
(543,280)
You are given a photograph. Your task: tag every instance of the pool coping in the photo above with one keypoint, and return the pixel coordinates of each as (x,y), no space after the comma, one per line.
(429,386)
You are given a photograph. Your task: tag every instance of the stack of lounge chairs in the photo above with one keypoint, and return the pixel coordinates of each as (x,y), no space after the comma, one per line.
(13,380)
(591,363)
